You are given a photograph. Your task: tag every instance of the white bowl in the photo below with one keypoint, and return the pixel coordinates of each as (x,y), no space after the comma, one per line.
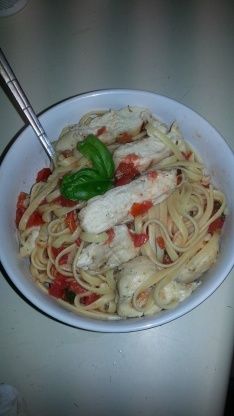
(26,156)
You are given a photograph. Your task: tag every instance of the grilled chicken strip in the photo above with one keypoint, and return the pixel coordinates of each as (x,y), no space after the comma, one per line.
(120,125)
(105,211)
(141,153)
(131,276)
(109,254)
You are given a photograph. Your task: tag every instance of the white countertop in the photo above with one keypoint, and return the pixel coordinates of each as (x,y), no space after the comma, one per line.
(182,49)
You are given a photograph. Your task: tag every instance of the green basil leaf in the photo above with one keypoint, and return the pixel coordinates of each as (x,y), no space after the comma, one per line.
(98,153)
(69,296)
(84,184)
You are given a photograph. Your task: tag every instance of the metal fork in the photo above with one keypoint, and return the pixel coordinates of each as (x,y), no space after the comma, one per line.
(24,104)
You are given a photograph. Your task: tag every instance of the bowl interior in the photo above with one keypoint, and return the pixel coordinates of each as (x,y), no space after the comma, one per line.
(26,156)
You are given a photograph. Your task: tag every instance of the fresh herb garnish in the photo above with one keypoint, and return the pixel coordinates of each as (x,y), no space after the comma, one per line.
(69,296)
(96,151)
(89,182)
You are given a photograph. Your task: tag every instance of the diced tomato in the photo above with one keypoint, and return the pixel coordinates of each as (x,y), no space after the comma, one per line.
(71,221)
(43,175)
(126,170)
(123,180)
(55,273)
(35,219)
(111,235)
(62,286)
(63,259)
(75,287)
(140,208)
(20,207)
(64,202)
(87,300)
(61,283)
(187,154)
(78,242)
(138,239)
(217,224)
(160,242)
(166,259)
(57,251)
(101,131)
(124,137)
(58,286)
(152,175)
(21,200)
(127,166)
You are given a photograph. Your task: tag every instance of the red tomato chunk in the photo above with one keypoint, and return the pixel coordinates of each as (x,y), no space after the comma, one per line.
(35,220)
(160,242)
(140,208)
(138,239)
(64,202)
(126,170)
(60,287)
(20,207)
(101,131)
(216,225)
(71,221)
(43,175)
(57,251)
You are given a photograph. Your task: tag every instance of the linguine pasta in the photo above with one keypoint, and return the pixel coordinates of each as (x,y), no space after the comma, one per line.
(170,240)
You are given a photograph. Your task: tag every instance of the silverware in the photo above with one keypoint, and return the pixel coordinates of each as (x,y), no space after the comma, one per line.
(17,92)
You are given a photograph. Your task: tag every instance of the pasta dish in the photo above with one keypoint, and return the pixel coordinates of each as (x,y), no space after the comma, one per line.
(126,222)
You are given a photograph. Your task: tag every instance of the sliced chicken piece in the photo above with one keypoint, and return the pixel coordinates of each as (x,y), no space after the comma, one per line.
(175,292)
(109,255)
(105,211)
(111,126)
(201,262)
(141,153)
(131,276)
